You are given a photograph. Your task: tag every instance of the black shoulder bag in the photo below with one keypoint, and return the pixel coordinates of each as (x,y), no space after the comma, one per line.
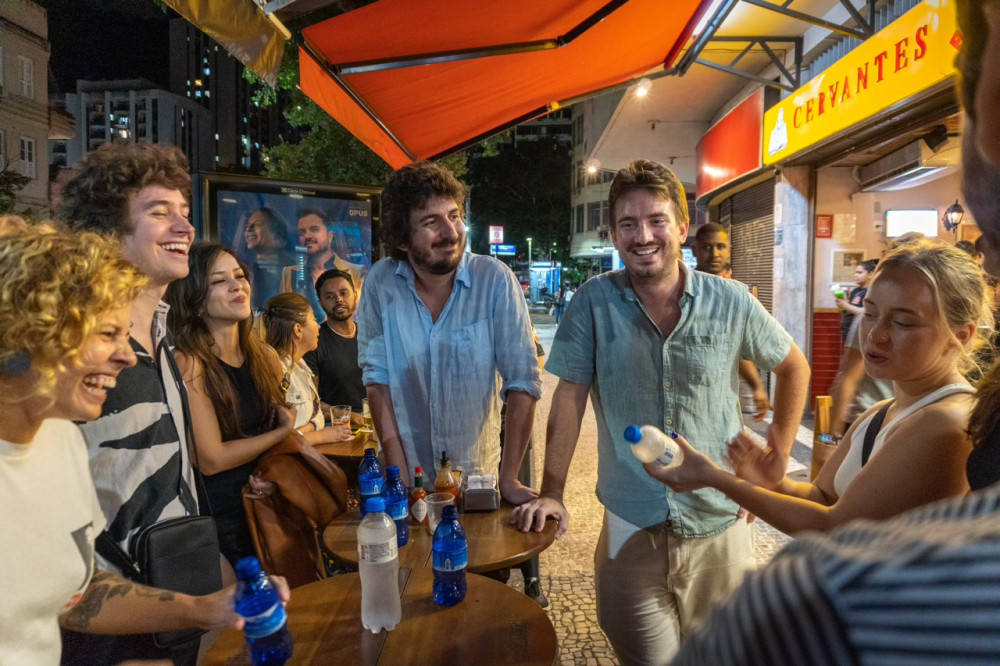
(177,554)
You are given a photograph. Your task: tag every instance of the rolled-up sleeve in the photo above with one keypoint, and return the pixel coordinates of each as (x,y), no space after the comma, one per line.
(572,355)
(765,342)
(513,340)
(373,355)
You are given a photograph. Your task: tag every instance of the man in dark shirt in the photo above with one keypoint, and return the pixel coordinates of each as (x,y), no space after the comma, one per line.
(335,360)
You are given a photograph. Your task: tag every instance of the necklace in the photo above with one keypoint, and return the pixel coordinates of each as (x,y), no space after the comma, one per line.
(351,335)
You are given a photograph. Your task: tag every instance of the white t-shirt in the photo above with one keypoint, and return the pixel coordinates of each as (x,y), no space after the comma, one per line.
(302,394)
(49,518)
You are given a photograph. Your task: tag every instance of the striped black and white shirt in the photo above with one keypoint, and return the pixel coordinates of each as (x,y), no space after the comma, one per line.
(922,589)
(139,455)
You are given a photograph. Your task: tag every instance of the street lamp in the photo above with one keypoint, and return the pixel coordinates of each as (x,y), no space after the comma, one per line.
(529,252)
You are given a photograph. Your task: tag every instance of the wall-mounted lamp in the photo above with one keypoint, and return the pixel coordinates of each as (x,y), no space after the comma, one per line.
(953,216)
(643,86)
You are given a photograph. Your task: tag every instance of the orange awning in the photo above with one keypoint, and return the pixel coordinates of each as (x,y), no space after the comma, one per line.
(420,79)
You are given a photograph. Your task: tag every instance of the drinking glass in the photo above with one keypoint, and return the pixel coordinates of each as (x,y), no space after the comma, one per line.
(436,502)
(367,412)
(340,414)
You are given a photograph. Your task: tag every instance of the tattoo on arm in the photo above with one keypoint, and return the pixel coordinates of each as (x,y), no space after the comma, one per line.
(104,586)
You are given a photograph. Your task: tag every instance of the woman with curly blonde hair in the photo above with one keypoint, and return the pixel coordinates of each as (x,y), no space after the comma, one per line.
(64,338)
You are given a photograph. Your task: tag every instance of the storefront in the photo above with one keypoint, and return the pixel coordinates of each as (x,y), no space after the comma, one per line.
(737,190)
(865,151)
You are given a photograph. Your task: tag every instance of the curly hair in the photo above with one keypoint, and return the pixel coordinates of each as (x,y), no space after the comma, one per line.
(650,176)
(958,285)
(280,315)
(408,188)
(97,197)
(192,336)
(55,288)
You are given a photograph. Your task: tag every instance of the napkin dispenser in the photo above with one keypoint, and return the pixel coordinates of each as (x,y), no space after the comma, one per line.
(480,492)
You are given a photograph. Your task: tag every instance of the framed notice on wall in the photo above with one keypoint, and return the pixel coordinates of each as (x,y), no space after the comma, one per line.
(843,265)
(824,226)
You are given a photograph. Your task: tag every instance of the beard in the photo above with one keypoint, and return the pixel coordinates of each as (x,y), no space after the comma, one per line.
(343,315)
(423,258)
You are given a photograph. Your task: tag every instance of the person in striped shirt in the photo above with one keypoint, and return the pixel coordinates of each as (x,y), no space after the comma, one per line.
(140,447)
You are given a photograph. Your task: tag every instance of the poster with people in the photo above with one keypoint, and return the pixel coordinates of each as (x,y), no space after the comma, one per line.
(288,235)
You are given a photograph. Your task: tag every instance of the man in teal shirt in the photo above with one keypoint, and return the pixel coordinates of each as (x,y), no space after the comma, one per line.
(659,344)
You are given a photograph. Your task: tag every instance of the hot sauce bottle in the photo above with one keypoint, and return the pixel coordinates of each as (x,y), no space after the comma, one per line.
(418,503)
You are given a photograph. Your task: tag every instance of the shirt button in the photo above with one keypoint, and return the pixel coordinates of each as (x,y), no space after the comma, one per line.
(670,421)
(670,494)
(667,384)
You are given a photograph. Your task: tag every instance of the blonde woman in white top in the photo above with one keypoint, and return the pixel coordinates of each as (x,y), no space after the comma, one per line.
(291,328)
(925,309)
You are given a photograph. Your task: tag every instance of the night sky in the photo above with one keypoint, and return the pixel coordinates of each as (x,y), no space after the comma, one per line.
(113,39)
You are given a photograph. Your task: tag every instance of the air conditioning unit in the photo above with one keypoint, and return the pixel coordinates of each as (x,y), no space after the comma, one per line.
(913,164)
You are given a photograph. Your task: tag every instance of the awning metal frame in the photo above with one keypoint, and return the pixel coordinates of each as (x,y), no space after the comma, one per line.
(788,80)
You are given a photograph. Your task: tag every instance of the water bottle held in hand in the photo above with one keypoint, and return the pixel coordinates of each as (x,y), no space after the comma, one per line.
(378,564)
(451,555)
(649,444)
(371,480)
(397,504)
(266,626)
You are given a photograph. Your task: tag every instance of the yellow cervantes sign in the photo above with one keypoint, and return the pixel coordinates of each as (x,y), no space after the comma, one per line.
(911,54)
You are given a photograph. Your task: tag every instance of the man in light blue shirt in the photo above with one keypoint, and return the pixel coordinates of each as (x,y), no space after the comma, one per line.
(659,344)
(443,337)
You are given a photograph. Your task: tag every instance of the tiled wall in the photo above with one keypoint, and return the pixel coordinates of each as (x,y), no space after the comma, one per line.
(826,351)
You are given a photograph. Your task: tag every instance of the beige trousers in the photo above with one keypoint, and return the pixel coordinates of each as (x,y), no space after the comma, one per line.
(654,588)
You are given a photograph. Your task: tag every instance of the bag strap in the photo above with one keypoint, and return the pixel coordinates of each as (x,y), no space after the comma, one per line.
(109,549)
(872,432)
(204,507)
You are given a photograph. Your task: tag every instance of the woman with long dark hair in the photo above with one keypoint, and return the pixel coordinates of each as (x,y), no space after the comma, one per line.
(238,408)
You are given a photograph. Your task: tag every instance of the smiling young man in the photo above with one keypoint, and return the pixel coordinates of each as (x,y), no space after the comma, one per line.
(443,337)
(335,359)
(659,344)
(140,447)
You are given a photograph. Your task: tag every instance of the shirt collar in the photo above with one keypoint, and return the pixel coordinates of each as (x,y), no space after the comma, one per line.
(463,275)
(692,283)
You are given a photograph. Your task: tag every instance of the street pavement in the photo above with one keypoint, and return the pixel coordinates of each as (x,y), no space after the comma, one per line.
(567,568)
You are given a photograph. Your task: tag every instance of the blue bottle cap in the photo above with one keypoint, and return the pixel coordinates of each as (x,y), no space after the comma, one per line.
(248,567)
(449,513)
(374,505)
(392,471)
(633,434)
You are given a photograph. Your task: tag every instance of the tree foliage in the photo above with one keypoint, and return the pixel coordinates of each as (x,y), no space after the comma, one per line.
(525,188)
(11,182)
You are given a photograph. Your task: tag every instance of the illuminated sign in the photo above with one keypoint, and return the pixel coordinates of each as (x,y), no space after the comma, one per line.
(503,250)
(496,235)
(911,54)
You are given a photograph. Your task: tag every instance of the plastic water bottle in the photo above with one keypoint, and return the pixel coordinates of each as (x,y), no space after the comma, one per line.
(649,443)
(266,623)
(378,563)
(397,504)
(451,555)
(370,478)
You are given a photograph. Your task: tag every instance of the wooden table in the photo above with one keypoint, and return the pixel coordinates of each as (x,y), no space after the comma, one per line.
(495,624)
(348,454)
(493,542)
